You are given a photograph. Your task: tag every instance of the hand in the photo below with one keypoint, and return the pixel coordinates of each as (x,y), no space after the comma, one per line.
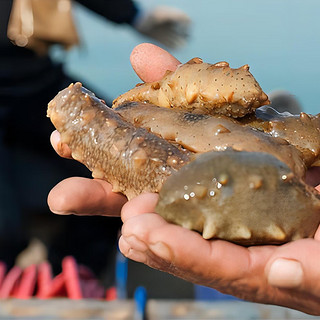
(286,275)
(167,25)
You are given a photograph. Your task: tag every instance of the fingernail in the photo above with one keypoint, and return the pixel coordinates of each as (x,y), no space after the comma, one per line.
(285,273)
(131,253)
(161,250)
(62,213)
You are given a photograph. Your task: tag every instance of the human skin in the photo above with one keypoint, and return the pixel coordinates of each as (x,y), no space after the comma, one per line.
(286,275)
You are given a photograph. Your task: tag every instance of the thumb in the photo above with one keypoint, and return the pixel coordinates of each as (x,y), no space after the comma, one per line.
(151,62)
(296,266)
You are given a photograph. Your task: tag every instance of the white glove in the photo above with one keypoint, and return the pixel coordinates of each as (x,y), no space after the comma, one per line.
(169,26)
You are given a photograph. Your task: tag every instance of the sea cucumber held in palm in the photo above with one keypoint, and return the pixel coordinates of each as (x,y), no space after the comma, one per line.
(243,197)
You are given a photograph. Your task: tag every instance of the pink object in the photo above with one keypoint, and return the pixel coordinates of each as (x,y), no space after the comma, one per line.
(72,279)
(44,281)
(10,282)
(27,283)
(57,288)
(111,294)
(80,281)
(75,282)
(90,286)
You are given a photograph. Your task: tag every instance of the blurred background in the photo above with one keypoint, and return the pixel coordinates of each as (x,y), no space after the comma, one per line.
(279,39)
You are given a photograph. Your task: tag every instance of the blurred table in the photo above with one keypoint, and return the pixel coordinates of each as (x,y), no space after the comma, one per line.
(58,309)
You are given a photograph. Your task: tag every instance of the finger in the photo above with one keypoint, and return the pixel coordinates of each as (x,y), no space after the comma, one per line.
(317,234)
(83,196)
(150,62)
(295,267)
(297,256)
(179,251)
(143,203)
(61,148)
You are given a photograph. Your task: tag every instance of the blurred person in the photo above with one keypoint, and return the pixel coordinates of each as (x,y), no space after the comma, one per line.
(29,79)
(285,101)
(286,275)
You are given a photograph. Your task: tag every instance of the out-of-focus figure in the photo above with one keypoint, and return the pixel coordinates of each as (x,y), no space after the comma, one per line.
(167,25)
(29,167)
(284,101)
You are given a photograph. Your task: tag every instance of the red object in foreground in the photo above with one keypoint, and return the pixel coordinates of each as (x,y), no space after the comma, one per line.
(80,281)
(74,282)
(71,277)
(10,282)
(44,280)
(58,288)
(111,294)
(27,283)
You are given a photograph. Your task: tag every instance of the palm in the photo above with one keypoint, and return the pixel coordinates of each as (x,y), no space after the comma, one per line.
(225,266)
